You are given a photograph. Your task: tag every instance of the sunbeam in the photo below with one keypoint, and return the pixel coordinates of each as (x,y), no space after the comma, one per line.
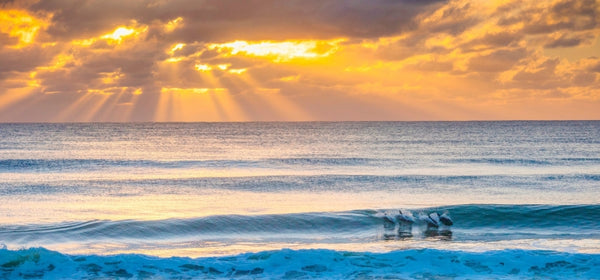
(434,60)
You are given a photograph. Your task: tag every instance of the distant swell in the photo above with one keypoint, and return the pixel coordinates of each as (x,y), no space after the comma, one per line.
(471,222)
(326,182)
(24,165)
(528,162)
(28,165)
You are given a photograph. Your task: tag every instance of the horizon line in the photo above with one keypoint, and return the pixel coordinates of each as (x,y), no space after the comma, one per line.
(314,121)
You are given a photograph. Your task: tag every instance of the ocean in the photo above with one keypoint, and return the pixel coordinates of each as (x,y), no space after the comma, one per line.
(307,200)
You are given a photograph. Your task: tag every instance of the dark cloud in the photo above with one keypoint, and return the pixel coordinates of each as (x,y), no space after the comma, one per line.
(24,59)
(543,71)
(497,61)
(563,15)
(16,4)
(279,20)
(595,67)
(413,44)
(84,19)
(6,40)
(510,20)
(565,41)
(584,79)
(218,20)
(4,3)
(499,39)
(88,67)
(65,80)
(543,76)
(480,49)
(453,18)
(585,10)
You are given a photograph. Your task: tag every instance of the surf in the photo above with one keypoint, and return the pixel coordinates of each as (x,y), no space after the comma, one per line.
(291,264)
(494,227)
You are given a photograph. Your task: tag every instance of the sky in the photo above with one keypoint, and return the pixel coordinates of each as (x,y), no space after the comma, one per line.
(298,60)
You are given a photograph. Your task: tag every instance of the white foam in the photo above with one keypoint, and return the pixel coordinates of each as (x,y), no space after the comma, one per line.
(319,263)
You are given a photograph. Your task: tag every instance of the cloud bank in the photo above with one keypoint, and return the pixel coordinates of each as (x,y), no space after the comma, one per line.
(188,60)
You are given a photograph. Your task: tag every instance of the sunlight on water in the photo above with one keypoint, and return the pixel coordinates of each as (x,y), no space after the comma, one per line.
(139,206)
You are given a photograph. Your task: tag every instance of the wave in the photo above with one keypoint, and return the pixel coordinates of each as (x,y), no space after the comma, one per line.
(274,183)
(537,216)
(471,222)
(28,165)
(41,263)
(286,226)
(66,164)
(507,161)
(530,162)
(78,164)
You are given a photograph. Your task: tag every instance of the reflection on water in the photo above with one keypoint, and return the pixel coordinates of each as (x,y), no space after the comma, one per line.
(432,226)
(445,234)
(432,234)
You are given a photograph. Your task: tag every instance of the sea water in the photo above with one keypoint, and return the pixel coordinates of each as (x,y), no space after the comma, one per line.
(300,200)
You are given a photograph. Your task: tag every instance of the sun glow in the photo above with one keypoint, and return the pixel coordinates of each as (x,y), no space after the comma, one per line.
(115,37)
(280,51)
(175,48)
(193,90)
(173,24)
(237,71)
(119,34)
(223,66)
(202,67)
(174,59)
(214,103)
(111,78)
(20,25)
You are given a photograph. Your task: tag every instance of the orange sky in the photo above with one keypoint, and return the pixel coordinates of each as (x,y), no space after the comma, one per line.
(272,60)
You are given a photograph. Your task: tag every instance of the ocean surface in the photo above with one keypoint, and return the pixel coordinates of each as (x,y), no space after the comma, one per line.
(300,200)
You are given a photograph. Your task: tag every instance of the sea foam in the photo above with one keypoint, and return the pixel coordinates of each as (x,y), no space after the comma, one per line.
(302,264)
